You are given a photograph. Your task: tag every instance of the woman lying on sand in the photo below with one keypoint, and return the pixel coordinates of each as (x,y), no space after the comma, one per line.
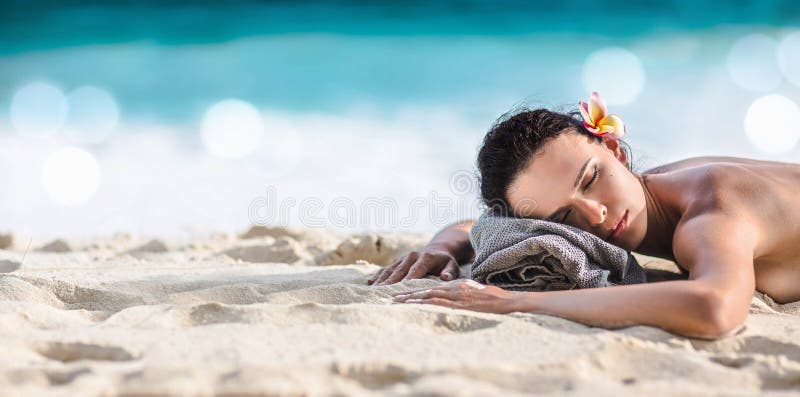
(733,224)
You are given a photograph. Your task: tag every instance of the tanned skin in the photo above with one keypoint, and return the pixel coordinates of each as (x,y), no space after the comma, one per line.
(733,224)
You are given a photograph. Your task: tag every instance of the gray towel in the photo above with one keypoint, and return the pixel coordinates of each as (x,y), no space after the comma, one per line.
(535,255)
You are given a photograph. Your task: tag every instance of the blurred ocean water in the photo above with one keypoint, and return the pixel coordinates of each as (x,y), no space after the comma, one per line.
(163,117)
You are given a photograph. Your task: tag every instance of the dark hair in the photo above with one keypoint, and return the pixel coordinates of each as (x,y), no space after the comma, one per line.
(511,143)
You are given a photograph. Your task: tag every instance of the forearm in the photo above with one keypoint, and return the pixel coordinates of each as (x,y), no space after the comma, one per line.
(455,240)
(682,307)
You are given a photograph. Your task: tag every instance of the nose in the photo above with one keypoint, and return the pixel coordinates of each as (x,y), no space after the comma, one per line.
(592,211)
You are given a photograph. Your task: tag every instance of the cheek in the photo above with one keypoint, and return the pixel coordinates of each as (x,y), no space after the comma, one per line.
(621,186)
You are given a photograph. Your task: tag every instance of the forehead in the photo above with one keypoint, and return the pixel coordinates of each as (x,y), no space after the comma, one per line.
(548,179)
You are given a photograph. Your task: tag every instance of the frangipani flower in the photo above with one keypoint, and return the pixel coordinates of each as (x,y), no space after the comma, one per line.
(595,119)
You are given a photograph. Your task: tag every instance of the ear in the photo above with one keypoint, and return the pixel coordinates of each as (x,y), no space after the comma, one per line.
(616,148)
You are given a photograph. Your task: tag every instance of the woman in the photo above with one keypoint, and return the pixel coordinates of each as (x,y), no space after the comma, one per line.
(733,224)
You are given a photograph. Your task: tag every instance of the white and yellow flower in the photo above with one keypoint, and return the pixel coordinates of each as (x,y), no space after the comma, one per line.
(598,122)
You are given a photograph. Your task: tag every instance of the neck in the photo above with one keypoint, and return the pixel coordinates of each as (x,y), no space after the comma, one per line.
(661,222)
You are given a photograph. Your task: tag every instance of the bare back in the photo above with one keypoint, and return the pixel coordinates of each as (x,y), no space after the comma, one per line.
(764,192)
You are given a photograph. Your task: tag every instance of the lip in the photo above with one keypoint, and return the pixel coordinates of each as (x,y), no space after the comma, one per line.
(622,224)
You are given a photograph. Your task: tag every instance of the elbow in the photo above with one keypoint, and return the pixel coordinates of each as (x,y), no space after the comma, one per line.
(720,314)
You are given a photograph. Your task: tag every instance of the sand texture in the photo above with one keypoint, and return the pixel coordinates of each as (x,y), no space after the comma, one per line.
(279,311)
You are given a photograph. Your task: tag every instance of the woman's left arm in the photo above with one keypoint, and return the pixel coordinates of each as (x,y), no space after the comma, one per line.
(714,301)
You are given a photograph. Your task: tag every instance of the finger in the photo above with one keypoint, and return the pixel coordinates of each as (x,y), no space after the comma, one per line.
(426,294)
(410,291)
(474,284)
(418,294)
(383,274)
(442,287)
(374,277)
(377,276)
(400,270)
(418,270)
(448,286)
(450,271)
(434,301)
(387,271)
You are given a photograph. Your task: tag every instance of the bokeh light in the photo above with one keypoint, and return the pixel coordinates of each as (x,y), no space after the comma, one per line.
(93,114)
(232,128)
(752,63)
(616,73)
(789,57)
(38,110)
(70,176)
(771,124)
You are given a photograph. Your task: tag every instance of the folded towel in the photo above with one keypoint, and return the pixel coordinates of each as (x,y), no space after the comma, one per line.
(535,255)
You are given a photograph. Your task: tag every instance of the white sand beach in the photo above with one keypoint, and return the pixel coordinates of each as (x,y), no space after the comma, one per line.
(281,311)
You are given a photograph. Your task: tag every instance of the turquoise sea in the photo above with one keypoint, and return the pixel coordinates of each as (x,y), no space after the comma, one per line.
(185,117)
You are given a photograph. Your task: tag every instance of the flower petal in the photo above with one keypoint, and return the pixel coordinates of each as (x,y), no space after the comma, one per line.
(616,135)
(600,134)
(585,113)
(616,124)
(597,107)
(590,127)
(605,128)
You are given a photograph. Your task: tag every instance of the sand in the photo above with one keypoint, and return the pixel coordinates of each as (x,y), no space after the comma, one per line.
(280,311)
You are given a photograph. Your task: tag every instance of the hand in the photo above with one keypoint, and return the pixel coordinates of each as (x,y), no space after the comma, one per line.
(463,294)
(418,264)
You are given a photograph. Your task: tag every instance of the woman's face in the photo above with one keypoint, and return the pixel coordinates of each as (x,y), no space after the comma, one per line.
(582,183)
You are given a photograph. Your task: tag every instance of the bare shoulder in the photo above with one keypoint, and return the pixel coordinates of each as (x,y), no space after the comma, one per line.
(715,239)
(704,161)
(742,186)
(736,212)
(723,216)
(725,187)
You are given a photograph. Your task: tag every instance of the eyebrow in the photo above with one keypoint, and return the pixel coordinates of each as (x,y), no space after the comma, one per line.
(575,186)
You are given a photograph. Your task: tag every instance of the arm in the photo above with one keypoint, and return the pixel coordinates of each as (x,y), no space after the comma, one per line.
(455,240)
(441,256)
(714,301)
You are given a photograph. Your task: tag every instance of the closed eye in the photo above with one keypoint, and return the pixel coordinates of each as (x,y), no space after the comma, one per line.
(595,175)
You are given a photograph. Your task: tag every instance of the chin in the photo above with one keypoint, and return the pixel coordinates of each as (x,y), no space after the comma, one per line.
(632,239)
(624,241)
